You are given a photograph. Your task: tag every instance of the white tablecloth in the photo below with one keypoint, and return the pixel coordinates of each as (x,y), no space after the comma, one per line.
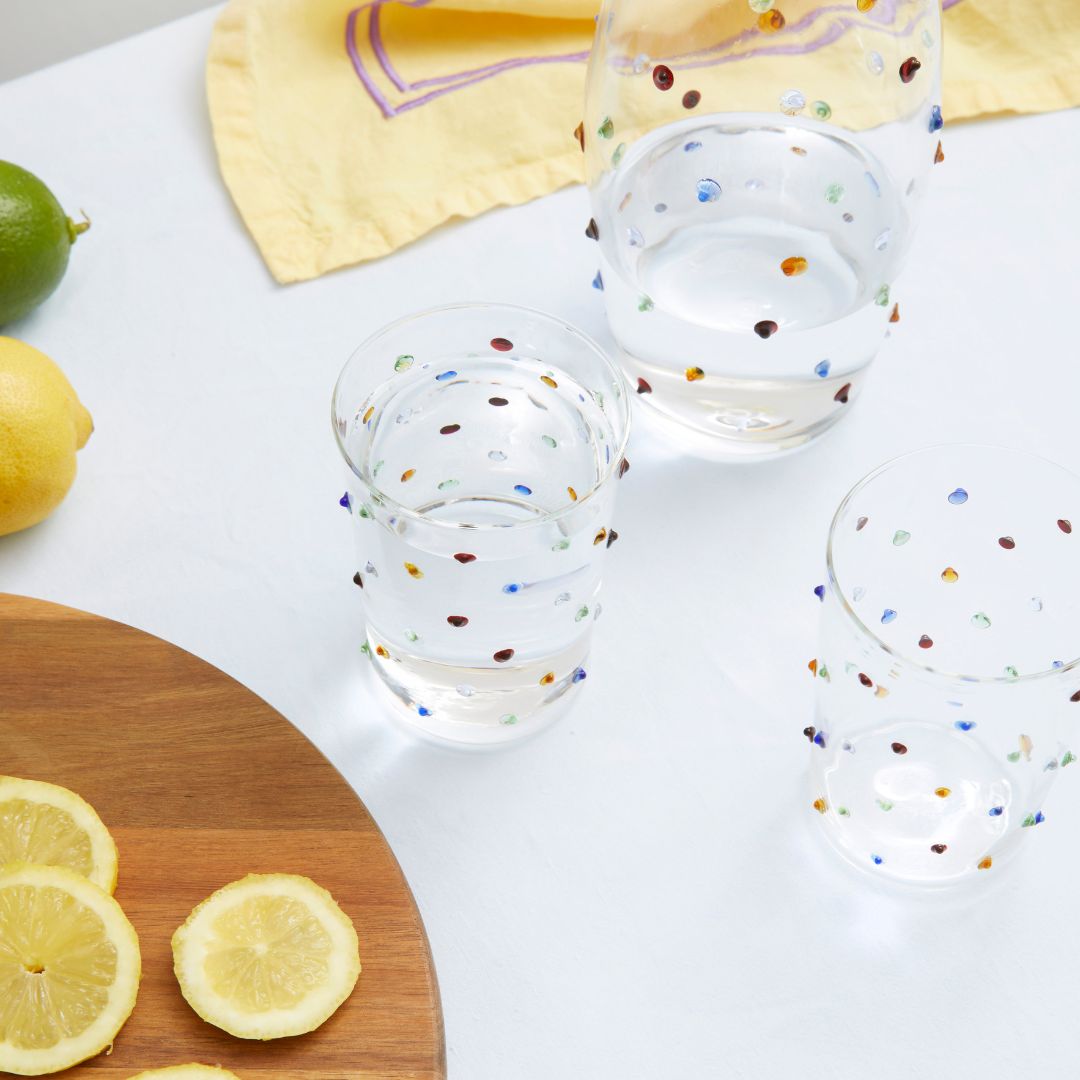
(640,893)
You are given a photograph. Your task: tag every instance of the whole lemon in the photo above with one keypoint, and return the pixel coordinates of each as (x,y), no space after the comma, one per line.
(42,424)
(35,241)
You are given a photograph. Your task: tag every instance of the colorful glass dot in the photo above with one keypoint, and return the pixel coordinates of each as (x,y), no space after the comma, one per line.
(843,394)
(865,5)
(366,511)
(771,21)
(660,208)
(547,380)
(882,296)
(560,545)
(985,863)
(1007,542)
(939,154)
(820,805)
(645,303)
(403,362)
(1028,821)
(579,675)
(798,151)
(821,369)
(380,651)
(617,154)
(689,148)
(708,190)
(843,811)
(949,575)
(357,579)
(884,804)
(981,620)
(579,134)
(861,524)
(1026,746)
(888,616)
(449,429)
(765,329)
(581,613)
(547,679)
(624,467)
(813,666)
(443,376)
(1064,525)
(793,266)
(508,718)
(821,109)
(447,485)
(503,655)
(612,537)
(547,440)
(834,193)
(964,725)
(908,69)
(881,692)
(1013,756)
(996,811)
(662,77)
(592,231)
(849,218)
(694,374)
(810,731)
(926,642)
(936,121)
(1068,759)
(413,571)
(600,537)
(643,387)
(598,281)
(847,747)
(900,537)
(496,455)
(758,7)
(875,62)
(942,792)
(895,316)
(876,859)
(792,102)
(634,237)
(938,849)
(691,99)
(411,635)
(819,592)
(345,501)
(523,489)
(513,587)
(464,557)
(606,128)
(498,402)
(899,748)
(865,679)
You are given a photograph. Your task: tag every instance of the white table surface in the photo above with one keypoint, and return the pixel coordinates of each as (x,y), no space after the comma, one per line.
(640,892)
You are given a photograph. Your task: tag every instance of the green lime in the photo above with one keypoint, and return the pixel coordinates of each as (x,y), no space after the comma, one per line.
(35,241)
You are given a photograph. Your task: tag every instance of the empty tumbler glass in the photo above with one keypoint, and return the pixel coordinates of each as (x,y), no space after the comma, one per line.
(756,169)
(948,681)
(485,443)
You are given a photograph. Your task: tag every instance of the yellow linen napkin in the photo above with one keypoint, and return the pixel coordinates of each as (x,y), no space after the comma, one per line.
(345,130)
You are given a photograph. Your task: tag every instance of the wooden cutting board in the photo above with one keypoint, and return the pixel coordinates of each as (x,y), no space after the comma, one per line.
(202,782)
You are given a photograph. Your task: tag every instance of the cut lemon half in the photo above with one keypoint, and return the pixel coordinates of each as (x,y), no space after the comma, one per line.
(187,1072)
(51,826)
(267,956)
(69,969)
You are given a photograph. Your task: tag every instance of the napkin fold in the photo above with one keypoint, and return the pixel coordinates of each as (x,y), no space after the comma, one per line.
(345,130)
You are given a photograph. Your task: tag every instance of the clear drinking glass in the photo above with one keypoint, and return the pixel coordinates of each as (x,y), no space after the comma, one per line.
(756,170)
(948,685)
(484,444)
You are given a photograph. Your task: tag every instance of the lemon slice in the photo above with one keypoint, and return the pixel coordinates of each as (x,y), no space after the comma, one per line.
(267,956)
(69,969)
(187,1072)
(51,826)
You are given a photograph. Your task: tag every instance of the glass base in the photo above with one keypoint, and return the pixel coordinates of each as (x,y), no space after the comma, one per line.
(700,432)
(480,707)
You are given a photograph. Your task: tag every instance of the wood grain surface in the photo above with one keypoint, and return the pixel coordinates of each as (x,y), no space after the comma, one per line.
(201,782)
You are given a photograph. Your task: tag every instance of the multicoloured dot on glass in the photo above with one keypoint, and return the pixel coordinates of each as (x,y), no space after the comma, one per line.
(936,121)
(645,303)
(834,193)
(662,77)
(926,642)
(821,369)
(606,128)
(598,281)
(939,154)
(579,675)
(708,190)
(611,537)
(345,501)
(895,316)
(942,792)
(592,230)
(1064,525)
(634,237)
(445,376)
(842,395)
(908,69)
(820,805)
(875,62)
(547,679)
(980,620)
(357,579)
(964,725)
(600,537)
(758,7)
(793,266)
(579,134)
(819,592)
(865,5)
(939,849)
(877,860)
(821,109)
(465,557)
(413,570)
(403,362)
(792,102)
(861,524)
(693,374)
(898,748)
(688,148)
(691,99)
(888,616)
(765,328)
(865,679)
(503,655)
(771,21)
(1007,542)
(448,485)
(582,613)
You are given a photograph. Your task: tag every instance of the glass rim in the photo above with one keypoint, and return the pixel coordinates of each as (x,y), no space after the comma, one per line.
(867,631)
(560,512)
